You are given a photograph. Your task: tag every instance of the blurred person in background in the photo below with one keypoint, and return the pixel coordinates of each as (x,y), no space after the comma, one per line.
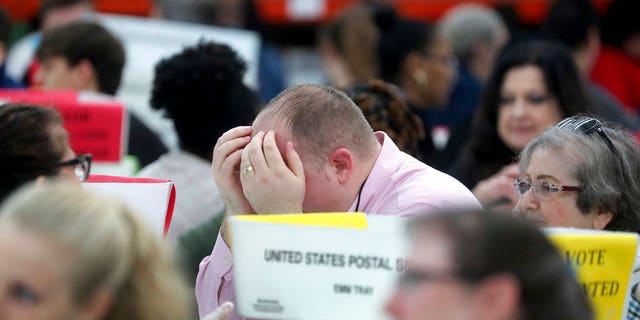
(416,57)
(483,265)
(348,45)
(35,146)
(55,13)
(6,82)
(370,41)
(85,56)
(477,34)
(617,67)
(533,86)
(574,23)
(385,110)
(201,90)
(239,14)
(51,14)
(67,254)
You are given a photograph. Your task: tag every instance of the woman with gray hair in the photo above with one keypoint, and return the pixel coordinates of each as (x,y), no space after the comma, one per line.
(582,173)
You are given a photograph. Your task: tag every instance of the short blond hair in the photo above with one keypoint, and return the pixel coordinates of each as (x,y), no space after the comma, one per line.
(111,247)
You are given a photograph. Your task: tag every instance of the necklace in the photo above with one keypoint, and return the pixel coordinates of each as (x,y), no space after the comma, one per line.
(359,193)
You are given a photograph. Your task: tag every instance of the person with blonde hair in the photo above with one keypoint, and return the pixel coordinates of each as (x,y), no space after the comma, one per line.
(348,46)
(67,254)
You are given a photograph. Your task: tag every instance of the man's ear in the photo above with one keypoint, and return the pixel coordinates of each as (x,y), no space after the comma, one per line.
(85,76)
(341,163)
(498,297)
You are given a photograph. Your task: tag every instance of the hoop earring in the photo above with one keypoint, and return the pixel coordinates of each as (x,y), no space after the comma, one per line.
(421,77)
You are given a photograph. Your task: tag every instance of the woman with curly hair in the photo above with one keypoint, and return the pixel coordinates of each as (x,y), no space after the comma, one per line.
(385,110)
(201,90)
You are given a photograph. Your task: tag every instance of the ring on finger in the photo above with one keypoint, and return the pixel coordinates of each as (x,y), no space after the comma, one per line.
(248,169)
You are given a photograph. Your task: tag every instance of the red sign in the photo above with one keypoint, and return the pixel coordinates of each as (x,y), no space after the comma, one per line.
(95,126)
(280,12)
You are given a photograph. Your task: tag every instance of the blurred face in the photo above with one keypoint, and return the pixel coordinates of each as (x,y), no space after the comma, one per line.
(229,13)
(34,277)
(440,68)
(488,55)
(56,73)
(333,64)
(560,210)
(526,108)
(65,15)
(61,138)
(632,45)
(439,297)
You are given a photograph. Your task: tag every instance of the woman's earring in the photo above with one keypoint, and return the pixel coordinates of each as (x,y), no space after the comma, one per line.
(421,78)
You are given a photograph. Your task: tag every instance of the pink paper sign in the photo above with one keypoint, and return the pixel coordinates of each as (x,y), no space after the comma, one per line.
(95,127)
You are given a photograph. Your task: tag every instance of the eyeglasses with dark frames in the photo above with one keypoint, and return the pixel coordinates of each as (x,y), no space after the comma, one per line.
(82,166)
(541,188)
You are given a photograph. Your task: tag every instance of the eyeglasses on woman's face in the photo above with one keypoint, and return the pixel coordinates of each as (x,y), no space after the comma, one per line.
(82,166)
(541,188)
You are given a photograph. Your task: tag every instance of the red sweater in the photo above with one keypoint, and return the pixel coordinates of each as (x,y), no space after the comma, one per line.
(620,74)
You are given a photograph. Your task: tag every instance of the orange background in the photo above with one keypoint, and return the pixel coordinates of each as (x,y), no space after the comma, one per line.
(274,11)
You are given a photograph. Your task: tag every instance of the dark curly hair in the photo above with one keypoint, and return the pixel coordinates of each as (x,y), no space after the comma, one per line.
(386,111)
(201,89)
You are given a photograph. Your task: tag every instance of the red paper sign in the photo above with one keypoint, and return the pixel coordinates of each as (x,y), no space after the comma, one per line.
(95,127)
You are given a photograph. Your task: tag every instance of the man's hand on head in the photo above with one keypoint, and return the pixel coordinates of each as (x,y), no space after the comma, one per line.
(269,183)
(225,165)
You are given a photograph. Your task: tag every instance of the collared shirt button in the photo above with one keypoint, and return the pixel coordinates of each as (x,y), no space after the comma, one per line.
(227,261)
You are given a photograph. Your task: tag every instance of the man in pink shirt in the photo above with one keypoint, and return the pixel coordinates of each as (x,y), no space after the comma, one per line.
(312,150)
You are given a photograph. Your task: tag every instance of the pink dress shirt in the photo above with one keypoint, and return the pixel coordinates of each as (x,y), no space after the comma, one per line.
(398,185)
